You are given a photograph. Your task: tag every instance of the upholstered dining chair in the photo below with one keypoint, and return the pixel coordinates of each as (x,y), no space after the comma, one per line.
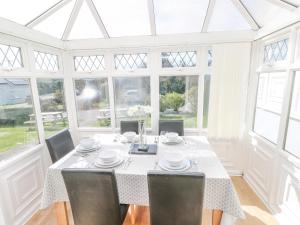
(60,144)
(126,126)
(94,197)
(171,126)
(175,198)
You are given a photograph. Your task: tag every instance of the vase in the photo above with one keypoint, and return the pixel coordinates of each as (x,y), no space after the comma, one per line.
(142,139)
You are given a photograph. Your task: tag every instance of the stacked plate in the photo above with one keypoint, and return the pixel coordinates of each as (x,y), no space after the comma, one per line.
(174,162)
(87,145)
(108,159)
(128,137)
(171,138)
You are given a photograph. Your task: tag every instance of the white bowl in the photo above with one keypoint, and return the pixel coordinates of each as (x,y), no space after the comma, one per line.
(174,159)
(107,156)
(87,142)
(129,135)
(171,136)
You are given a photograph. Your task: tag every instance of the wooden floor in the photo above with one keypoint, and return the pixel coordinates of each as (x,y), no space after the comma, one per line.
(256,212)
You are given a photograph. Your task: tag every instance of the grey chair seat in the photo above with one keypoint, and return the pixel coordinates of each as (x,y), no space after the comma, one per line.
(94,197)
(171,126)
(176,198)
(59,145)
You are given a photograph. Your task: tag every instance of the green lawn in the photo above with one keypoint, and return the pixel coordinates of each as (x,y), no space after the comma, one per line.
(190,120)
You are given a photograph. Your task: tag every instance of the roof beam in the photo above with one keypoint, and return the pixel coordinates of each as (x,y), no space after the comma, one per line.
(284,4)
(47,13)
(97,17)
(152,17)
(209,12)
(72,19)
(246,14)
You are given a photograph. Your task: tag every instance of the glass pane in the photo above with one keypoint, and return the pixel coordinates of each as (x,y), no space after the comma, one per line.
(89,63)
(85,25)
(268,104)
(17,116)
(24,11)
(124,17)
(92,102)
(179,99)
(56,23)
(53,105)
(10,57)
(131,61)
(276,51)
(130,92)
(177,16)
(178,59)
(45,61)
(292,144)
(207,79)
(210,58)
(231,20)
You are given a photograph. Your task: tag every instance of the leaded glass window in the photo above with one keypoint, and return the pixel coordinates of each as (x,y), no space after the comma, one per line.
(45,61)
(10,57)
(89,63)
(178,59)
(276,51)
(131,61)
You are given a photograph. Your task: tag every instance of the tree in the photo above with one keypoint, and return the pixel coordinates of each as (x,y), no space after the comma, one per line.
(171,101)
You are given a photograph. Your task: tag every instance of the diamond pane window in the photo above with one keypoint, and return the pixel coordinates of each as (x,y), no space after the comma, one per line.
(131,61)
(10,57)
(178,59)
(89,63)
(276,51)
(45,61)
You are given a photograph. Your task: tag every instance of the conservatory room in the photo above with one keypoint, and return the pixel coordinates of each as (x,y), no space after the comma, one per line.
(150,112)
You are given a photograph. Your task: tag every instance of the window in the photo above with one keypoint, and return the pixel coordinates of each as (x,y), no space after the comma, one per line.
(130,92)
(131,61)
(210,59)
(10,57)
(276,51)
(292,137)
(92,102)
(17,116)
(89,63)
(207,79)
(178,59)
(53,106)
(45,61)
(268,104)
(179,99)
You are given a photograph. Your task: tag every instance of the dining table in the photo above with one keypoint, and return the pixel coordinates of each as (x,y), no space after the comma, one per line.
(131,176)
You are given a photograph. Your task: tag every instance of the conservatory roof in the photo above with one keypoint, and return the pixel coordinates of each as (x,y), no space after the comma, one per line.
(84,19)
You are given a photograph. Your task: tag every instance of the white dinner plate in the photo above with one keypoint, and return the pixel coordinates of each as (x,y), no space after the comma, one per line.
(165,140)
(165,166)
(109,165)
(85,150)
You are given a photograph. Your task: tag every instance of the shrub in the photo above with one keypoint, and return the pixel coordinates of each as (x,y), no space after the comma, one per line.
(171,101)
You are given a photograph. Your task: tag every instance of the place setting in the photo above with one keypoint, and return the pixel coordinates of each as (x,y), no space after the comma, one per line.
(174,161)
(86,146)
(107,159)
(171,138)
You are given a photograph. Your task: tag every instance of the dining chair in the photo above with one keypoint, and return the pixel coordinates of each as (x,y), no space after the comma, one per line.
(171,126)
(126,126)
(60,144)
(175,198)
(93,195)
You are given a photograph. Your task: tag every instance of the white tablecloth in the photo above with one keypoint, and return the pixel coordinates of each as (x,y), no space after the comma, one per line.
(132,180)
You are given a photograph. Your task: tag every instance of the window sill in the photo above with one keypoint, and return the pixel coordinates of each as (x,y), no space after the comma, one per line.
(10,157)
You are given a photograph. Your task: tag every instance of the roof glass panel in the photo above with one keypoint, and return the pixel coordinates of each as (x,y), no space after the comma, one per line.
(226,17)
(124,17)
(23,11)
(55,24)
(177,16)
(265,12)
(85,25)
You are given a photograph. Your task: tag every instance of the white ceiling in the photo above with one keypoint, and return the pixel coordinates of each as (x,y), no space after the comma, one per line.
(85,19)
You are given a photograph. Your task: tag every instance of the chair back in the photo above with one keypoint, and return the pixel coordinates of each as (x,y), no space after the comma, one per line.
(176,199)
(171,126)
(93,196)
(59,145)
(126,126)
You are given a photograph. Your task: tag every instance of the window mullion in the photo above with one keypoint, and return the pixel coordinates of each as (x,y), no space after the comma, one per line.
(109,60)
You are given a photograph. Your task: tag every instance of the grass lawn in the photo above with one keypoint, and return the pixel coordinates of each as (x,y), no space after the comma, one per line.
(190,121)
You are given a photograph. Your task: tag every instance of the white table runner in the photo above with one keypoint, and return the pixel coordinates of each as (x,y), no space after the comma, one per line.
(132,180)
